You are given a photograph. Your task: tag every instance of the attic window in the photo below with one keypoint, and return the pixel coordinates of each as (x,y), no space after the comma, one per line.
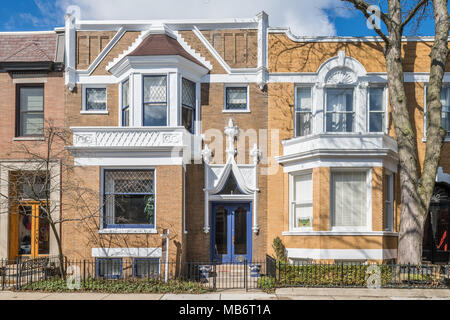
(231,187)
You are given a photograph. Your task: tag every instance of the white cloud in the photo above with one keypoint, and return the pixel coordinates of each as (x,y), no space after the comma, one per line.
(304,17)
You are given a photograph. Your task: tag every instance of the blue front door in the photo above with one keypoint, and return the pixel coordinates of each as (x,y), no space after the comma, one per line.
(231,237)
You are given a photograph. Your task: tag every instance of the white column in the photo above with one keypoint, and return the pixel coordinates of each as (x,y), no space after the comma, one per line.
(174,98)
(361,107)
(136,89)
(318,108)
(70,43)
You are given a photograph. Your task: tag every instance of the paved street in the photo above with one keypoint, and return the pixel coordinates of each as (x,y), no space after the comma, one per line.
(280,294)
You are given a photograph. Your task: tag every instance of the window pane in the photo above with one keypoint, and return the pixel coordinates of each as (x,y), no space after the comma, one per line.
(96,99)
(339,122)
(32,124)
(188,95)
(349,199)
(303,192)
(145,268)
(126,117)
(303,124)
(302,202)
(304,102)
(129,181)
(340,100)
(188,119)
(155,89)
(236,98)
(109,268)
(303,216)
(376,122)
(126,94)
(155,116)
(376,99)
(31,99)
(134,210)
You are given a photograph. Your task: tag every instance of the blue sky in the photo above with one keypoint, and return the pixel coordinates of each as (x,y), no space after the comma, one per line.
(305,17)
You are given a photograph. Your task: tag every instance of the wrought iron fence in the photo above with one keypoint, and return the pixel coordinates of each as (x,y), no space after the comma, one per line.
(266,274)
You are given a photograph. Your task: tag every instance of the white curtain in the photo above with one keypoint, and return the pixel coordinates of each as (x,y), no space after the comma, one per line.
(302,202)
(349,199)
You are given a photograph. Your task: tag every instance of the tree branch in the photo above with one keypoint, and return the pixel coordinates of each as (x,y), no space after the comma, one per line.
(413,13)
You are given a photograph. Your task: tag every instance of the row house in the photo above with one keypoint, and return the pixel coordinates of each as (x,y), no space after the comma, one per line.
(225,134)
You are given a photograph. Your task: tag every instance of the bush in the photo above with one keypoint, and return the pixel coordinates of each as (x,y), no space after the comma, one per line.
(328,275)
(267,284)
(120,286)
(280,249)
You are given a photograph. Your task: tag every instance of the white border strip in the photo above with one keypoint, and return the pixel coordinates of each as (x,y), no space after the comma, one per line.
(342,254)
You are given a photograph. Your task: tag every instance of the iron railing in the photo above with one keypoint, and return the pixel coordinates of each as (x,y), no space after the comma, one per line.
(266,274)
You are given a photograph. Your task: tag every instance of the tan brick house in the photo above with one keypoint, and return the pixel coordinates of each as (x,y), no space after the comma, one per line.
(230,133)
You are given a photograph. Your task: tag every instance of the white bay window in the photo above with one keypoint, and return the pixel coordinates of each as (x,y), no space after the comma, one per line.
(155,101)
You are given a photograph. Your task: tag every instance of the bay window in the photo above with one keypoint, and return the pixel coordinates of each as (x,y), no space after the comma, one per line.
(377,110)
(301,201)
(349,200)
(340,112)
(129,199)
(188,104)
(155,101)
(303,112)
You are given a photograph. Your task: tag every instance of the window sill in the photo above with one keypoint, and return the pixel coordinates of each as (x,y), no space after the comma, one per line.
(127,231)
(29,139)
(446,140)
(339,233)
(95,112)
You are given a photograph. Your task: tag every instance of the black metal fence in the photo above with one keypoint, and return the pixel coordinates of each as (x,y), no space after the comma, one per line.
(14,274)
(267,274)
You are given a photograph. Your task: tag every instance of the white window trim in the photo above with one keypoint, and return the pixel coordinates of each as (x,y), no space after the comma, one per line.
(84,97)
(311,87)
(325,112)
(236,85)
(368,227)
(425,88)
(102,229)
(291,201)
(385,107)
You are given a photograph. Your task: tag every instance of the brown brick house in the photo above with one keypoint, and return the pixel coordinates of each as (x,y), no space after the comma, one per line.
(31,99)
(228,134)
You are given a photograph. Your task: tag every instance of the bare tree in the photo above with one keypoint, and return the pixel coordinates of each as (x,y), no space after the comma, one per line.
(35,189)
(416,183)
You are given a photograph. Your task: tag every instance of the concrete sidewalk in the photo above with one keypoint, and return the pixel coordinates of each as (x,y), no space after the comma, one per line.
(280,294)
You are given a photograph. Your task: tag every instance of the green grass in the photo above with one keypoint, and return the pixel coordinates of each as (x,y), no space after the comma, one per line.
(120,286)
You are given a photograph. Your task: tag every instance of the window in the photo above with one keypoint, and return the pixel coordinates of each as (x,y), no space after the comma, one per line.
(339,111)
(155,101)
(95,99)
(388,202)
(126,104)
(110,268)
(188,104)
(349,200)
(302,202)
(377,110)
(129,199)
(30,110)
(303,112)
(146,268)
(236,99)
(445,99)
(32,186)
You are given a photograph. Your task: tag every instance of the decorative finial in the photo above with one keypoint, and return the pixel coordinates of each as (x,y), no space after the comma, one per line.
(232,132)
(207,155)
(255,154)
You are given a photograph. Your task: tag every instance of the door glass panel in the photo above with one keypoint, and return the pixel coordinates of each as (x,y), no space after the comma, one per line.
(25,227)
(221,230)
(240,231)
(44,233)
